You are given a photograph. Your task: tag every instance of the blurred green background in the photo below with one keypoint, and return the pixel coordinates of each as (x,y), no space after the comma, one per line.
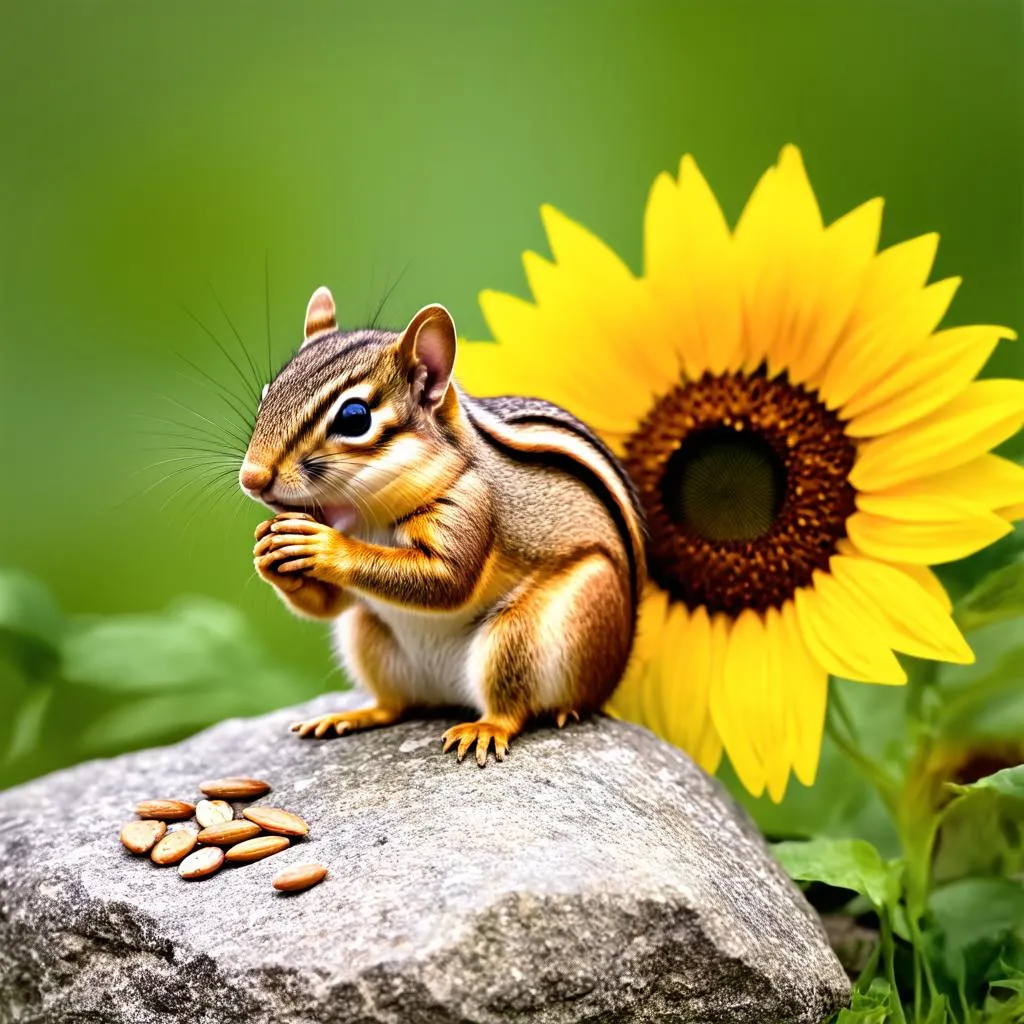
(153,151)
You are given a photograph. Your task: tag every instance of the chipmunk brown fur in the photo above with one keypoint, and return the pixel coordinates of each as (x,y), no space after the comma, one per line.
(483,553)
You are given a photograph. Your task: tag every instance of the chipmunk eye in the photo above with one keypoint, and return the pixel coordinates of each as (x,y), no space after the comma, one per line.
(353,419)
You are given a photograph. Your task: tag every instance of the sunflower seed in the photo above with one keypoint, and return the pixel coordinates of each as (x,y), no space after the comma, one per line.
(256,849)
(174,846)
(235,788)
(273,819)
(165,810)
(299,877)
(139,836)
(228,833)
(213,812)
(202,863)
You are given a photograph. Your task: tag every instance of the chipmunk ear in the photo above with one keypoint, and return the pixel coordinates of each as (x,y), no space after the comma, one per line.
(428,348)
(320,315)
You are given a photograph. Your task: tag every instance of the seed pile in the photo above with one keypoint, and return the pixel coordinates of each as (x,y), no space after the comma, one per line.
(221,838)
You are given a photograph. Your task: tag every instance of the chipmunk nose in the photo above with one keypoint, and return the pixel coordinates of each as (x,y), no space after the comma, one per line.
(255,478)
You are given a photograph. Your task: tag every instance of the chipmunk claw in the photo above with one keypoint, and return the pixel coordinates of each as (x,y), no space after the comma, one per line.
(561,717)
(483,734)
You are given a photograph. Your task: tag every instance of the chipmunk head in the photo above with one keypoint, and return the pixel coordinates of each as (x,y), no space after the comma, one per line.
(356,425)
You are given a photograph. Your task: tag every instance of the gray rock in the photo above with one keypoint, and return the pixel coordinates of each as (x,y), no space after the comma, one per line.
(596,875)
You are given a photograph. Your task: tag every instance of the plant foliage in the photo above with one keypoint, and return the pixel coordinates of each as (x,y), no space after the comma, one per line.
(79,687)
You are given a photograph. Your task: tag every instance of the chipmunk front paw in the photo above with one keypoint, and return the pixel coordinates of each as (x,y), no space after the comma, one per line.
(482,733)
(308,596)
(294,542)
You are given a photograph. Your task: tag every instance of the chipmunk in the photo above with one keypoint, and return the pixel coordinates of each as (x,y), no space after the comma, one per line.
(472,552)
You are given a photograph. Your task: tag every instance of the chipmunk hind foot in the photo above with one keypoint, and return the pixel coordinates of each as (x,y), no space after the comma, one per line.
(483,733)
(555,649)
(347,721)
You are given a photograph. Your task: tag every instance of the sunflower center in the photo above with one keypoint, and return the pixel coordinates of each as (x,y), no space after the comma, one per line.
(724,484)
(744,483)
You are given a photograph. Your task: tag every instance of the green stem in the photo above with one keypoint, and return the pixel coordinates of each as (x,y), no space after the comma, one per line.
(886,786)
(889,948)
(918,940)
(923,676)
(917,981)
(870,969)
(961,991)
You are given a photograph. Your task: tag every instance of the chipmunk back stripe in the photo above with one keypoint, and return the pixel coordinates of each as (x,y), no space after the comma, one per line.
(557,444)
(537,410)
(587,437)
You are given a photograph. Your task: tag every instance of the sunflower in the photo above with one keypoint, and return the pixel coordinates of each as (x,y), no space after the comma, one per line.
(804,441)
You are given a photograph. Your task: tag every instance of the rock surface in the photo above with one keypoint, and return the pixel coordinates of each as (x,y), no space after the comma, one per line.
(596,875)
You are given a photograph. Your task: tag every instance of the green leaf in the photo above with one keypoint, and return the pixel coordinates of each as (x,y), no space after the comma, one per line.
(980,835)
(197,640)
(971,920)
(1000,595)
(844,863)
(1015,985)
(165,717)
(878,1004)
(877,1014)
(28,722)
(982,827)
(985,699)
(1004,1001)
(938,1011)
(1008,782)
(31,624)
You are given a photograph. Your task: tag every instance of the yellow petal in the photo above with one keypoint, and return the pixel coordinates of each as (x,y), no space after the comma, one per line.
(930,375)
(919,625)
(987,412)
(989,481)
(737,700)
(922,531)
(849,245)
(807,686)
(577,249)
(690,265)
(630,698)
(681,680)
(663,240)
(624,703)
(842,639)
(532,361)
(627,700)
(485,369)
(591,302)
(1011,513)
(777,736)
(866,355)
(920,574)
(712,638)
(660,644)
(686,685)
(928,582)
(894,273)
(779,240)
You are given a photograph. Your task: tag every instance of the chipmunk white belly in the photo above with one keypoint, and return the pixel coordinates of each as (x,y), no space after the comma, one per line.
(436,646)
